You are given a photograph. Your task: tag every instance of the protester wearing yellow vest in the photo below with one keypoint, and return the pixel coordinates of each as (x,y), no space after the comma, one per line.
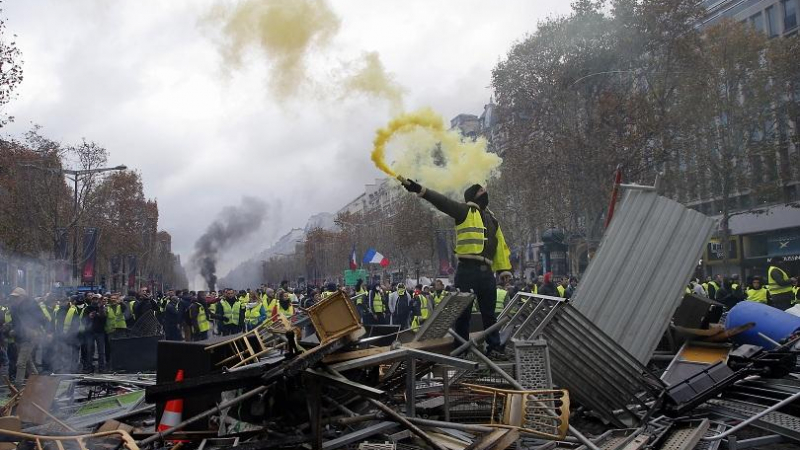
(779,285)
(757,292)
(198,318)
(562,287)
(795,290)
(230,312)
(426,306)
(283,307)
(376,302)
(481,250)
(254,315)
(501,300)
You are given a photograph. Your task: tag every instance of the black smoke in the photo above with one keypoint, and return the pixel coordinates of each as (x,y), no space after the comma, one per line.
(233,225)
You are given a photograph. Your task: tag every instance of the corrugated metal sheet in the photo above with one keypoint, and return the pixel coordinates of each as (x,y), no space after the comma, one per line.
(597,371)
(636,280)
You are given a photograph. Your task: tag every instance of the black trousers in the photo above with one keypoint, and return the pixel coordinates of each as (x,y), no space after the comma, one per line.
(782,301)
(478,278)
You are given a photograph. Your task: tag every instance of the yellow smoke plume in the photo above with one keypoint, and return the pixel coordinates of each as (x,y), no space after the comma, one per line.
(437,158)
(286,31)
(373,80)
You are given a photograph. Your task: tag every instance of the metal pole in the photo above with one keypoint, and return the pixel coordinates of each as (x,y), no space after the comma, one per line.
(747,422)
(452,425)
(232,402)
(403,421)
(479,338)
(572,430)
(75,234)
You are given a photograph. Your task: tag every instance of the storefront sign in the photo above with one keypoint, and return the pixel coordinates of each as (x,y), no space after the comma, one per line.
(783,244)
(714,250)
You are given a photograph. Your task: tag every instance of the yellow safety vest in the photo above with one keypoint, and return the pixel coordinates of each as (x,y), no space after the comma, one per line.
(775,288)
(437,298)
(130,308)
(377,303)
(757,295)
(424,307)
(68,318)
(364,296)
(561,291)
(288,313)
(253,315)
(202,320)
(231,312)
(45,312)
(500,303)
(471,239)
(111,318)
(7,319)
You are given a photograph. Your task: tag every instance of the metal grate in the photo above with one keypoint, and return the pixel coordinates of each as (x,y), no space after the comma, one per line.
(776,422)
(523,311)
(685,438)
(533,364)
(145,326)
(444,316)
(597,371)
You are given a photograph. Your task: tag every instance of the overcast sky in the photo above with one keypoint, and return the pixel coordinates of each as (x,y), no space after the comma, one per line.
(145,79)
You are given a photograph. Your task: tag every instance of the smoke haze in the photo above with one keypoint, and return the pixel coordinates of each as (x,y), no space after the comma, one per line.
(233,225)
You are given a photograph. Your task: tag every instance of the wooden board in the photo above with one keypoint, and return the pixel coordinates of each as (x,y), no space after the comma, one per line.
(39,389)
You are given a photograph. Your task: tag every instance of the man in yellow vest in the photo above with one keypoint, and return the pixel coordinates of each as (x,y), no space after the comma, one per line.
(198,317)
(438,293)
(757,292)
(562,287)
(423,308)
(481,250)
(779,285)
(795,290)
(377,305)
(230,313)
(283,307)
(502,293)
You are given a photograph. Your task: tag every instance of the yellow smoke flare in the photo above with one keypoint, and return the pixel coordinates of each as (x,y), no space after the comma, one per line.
(438,158)
(402,123)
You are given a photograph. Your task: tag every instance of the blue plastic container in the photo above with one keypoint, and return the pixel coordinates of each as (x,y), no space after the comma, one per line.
(770,321)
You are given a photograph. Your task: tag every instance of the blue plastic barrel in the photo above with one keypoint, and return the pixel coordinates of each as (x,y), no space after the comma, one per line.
(771,321)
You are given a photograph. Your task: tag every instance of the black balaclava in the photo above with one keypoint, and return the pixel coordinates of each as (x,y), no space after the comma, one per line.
(469,196)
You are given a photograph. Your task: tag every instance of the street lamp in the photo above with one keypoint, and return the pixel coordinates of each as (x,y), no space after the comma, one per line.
(75,176)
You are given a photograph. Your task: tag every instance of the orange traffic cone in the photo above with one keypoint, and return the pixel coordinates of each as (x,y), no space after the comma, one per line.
(173,412)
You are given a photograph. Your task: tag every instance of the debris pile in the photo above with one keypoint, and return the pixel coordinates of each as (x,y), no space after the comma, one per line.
(610,369)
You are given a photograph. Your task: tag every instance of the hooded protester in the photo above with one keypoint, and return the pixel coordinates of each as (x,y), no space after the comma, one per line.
(198,317)
(172,320)
(548,287)
(481,250)
(400,307)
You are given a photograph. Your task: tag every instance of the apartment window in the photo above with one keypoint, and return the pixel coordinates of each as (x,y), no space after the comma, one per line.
(789,14)
(771,14)
(757,22)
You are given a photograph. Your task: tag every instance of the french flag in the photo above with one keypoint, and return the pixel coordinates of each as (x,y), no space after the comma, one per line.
(373,257)
(353,262)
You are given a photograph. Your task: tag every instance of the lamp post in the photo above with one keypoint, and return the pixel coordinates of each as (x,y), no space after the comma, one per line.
(75,176)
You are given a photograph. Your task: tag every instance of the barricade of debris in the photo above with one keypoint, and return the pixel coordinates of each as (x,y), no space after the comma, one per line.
(620,366)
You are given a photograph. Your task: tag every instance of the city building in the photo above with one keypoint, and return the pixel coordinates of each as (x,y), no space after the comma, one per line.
(774,17)
(761,226)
